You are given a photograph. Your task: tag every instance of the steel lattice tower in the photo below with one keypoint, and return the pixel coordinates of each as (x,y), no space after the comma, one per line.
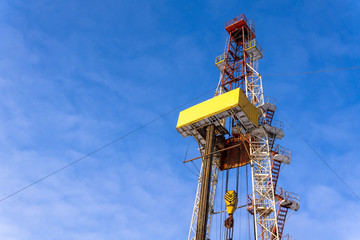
(249,139)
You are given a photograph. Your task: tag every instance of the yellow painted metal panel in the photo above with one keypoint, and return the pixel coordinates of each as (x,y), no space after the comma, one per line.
(217,105)
(249,109)
(208,108)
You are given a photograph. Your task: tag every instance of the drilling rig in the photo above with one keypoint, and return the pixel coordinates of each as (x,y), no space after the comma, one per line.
(234,130)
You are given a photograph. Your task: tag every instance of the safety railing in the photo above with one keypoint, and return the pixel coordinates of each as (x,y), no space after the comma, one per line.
(220,58)
(251,24)
(287,237)
(281,150)
(282,193)
(250,204)
(253,43)
(249,200)
(270,100)
(275,123)
(234,20)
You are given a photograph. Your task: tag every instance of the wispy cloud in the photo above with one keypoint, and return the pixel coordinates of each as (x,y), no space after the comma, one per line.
(74,77)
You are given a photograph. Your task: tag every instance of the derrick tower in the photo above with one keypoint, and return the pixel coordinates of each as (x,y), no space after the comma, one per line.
(236,129)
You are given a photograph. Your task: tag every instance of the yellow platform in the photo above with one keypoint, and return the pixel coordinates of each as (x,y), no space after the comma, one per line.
(218,108)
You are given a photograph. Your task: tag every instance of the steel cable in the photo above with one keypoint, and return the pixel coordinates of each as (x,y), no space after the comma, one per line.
(167,113)
(320,157)
(102,147)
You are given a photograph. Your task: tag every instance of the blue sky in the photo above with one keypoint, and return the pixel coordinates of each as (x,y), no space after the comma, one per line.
(75,75)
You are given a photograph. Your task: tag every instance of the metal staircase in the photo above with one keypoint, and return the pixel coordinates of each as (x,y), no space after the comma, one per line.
(287,201)
(235,128)
(269,116)
(268,108)
(281,218)
(275,172)
(280,155)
